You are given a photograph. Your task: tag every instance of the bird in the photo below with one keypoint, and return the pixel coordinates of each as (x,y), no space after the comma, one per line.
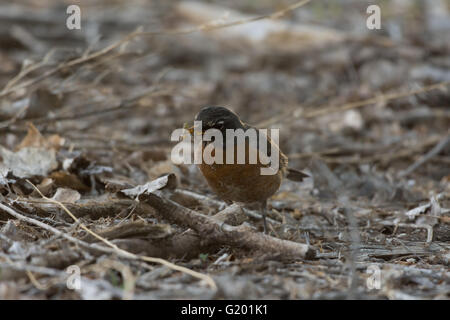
(241,183)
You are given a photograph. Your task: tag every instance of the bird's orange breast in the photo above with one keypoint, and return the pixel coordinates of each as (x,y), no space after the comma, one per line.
(241,182)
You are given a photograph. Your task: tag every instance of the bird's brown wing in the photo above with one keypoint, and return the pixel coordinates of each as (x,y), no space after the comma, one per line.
(271,147)
(289,173)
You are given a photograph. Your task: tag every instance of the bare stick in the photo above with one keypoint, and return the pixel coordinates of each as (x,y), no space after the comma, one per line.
(122,252)
(91,209)
(324,110)
(385,98)
(433,152)
(53,230)
(220,204)
(219,232)
(86,58)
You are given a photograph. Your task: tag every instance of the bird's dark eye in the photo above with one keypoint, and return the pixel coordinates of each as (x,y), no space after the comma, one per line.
(219,123)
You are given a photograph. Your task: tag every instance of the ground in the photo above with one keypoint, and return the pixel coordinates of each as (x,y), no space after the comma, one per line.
(86,117)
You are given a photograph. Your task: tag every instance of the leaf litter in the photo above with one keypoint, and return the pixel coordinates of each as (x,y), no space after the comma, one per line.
(365,113)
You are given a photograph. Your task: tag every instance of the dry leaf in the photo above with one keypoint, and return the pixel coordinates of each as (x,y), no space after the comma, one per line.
(168,181)
(35,139)
(66,195)
(65,179)
(29,162)
(44,187)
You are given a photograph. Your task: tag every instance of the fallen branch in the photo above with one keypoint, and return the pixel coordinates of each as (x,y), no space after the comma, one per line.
(211,229)
(113,248)
(220,204)
(131,229)
(186,245)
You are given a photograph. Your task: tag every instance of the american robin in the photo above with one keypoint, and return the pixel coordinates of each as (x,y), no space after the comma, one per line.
(241,182)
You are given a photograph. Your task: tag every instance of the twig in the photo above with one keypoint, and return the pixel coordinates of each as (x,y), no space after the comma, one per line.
(433,152)
(92,209)
(115,249)
(54,230)
(61,276)
(221,205)
(222,233)
(128,278)
(28,272)
(381,98)
(86,58)
(324,110)
(354,248)
(385,157)
(123,105)
(26,70)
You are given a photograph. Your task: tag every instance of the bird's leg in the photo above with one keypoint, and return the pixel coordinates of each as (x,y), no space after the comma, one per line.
(228,203)
(264,213)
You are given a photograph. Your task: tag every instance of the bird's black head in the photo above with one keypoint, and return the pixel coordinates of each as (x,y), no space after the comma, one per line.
(220,118)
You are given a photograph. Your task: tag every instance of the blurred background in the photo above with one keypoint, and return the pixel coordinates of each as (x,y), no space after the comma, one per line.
(271,72)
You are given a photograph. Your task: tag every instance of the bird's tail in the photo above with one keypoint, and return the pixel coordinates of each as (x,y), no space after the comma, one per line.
(295,175)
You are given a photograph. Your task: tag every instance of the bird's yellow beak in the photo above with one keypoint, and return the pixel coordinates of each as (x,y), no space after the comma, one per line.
(191,129)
